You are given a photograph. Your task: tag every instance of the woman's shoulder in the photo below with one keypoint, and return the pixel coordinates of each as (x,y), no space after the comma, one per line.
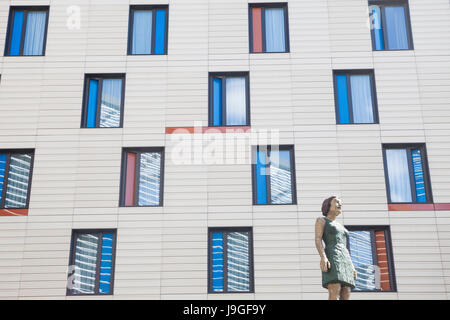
(321,220)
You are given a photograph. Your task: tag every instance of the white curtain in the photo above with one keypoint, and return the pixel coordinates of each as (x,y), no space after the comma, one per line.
(275,33)
(236,101)
(142,32)
(149,179)
(238,265)
(361,99)
(18,178)
(34,33)
(398,173)
(111,101)
(397,36)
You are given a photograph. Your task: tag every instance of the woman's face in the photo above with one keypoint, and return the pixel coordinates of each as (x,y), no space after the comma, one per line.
(336,206)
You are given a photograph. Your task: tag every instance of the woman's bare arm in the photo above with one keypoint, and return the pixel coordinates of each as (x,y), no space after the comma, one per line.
(320,226)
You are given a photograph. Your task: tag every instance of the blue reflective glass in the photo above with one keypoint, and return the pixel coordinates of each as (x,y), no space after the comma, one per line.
(342,93)
(106,264)
(160,31)
(377,28)
(111,100)
(217,102)
(361,253)
(261,177)
(91,119)
(16,33)
(280,177)
(418,175)
(149,179)
(217,262)
(238,262)
(3,158)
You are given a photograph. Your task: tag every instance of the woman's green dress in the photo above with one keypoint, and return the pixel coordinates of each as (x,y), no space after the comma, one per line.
(335,237)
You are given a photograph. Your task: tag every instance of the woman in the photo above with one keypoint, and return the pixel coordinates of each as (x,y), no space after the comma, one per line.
(338,272)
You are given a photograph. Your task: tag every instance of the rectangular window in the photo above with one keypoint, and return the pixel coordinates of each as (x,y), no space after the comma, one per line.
(229,99)
(390,25)
(230,260)
(142,177)
(15,178)
(274,175)
(406,172)
(27,31)
(355,97)
(269,30)
(371,253)
(103,101)
(148,30)
(92,260)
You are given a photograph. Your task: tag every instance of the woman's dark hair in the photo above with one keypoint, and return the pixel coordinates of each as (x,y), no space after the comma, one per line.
(326,204)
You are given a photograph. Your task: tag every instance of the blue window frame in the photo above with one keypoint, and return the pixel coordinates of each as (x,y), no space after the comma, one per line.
(148,30)
(229,99)
(92,260)
(103,101)
(406,171)
(16,168)
(27,31)
(390,25)
(371,253)
(274,175)
(230,260)
(355,97)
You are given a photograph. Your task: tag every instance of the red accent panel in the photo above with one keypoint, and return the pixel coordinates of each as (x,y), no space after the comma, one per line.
(185,130)
(382,260)
(442,206)
(130,179)
(13,212)
(411,207)
(257,30)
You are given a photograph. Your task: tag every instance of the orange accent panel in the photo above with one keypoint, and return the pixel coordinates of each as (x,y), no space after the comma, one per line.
(190,130)
(442,206)
(13,212)
(382,260)
(257,29)
(411,207)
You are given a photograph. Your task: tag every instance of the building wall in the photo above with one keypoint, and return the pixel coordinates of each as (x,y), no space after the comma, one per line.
(162,251)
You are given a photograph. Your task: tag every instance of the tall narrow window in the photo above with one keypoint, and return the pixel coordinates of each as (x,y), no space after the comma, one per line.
(91,266)
(355,97)
(269,28)
(142,177)
(148,30)
(103,101)
(371,254)
(390,24)
(406,171)
(15,178)
(230,260)
(229,99)
(274,175)
(27,31)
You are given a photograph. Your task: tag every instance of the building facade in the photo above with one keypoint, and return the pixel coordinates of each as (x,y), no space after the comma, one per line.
(182,149)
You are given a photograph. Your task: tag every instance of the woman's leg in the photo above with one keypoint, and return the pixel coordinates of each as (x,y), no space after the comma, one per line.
(333,291)
(345,293)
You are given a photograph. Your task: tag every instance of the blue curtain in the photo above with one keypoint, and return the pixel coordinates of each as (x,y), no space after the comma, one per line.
(361,254)
(91,118)
(280,177)
(149,179)
(398,174)
(86,247)
(217,262)
(142,32)
(34,33)
(106,264)
(261,177)
(160,31)
(236,111)
(274,31)
(16,33)
(3,158)
(217,101)
(377,28)
(110,103)
(342,92)
(418,176)
(361,99)
(17,182)
(238,262)
(397,36)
